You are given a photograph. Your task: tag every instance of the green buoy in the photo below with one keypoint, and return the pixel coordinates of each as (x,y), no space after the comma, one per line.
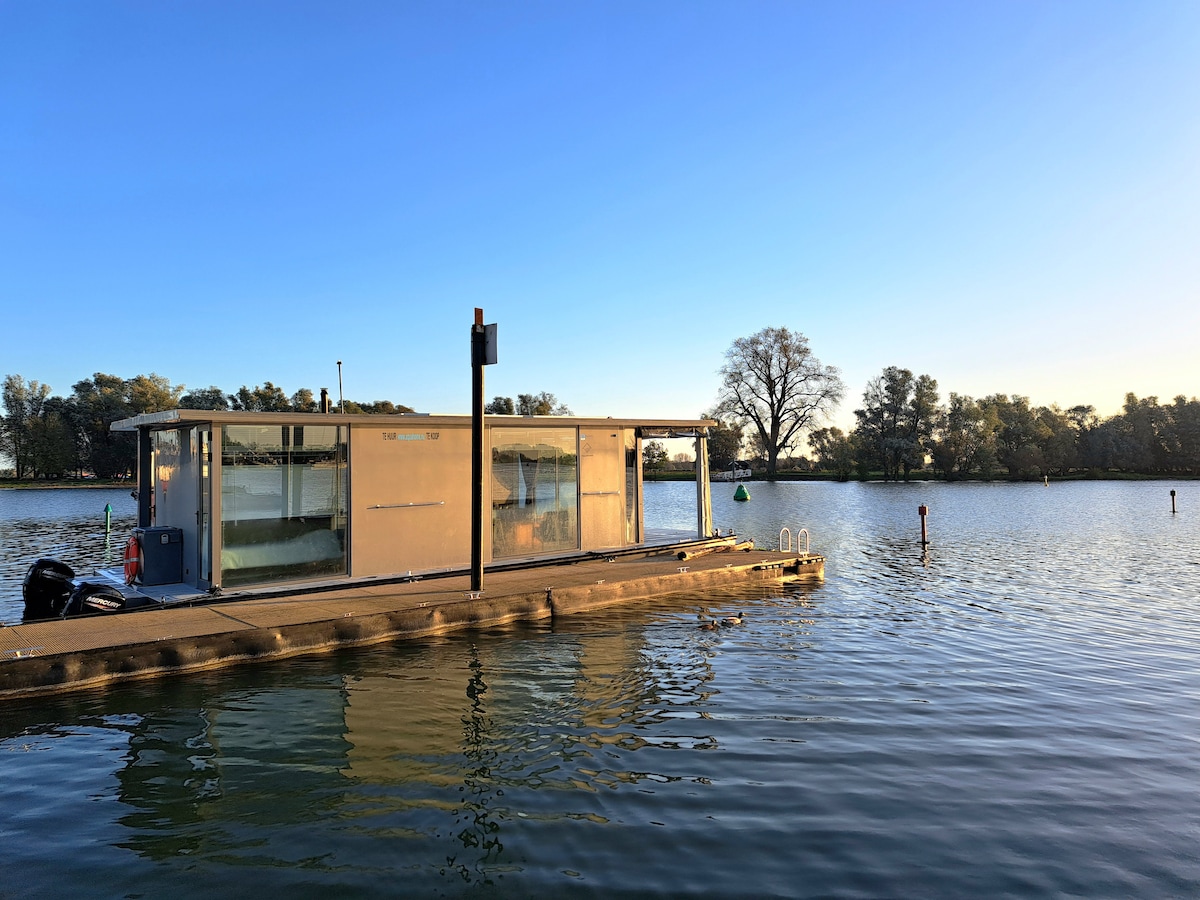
(741,493)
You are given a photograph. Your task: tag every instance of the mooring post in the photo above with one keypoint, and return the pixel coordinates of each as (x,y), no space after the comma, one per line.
(924,511)
(477,452)
(483,353)
(1172,501)
(108,515)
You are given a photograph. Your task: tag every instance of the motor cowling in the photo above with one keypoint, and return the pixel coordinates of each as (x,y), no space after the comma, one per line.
(94,597)
(47,589)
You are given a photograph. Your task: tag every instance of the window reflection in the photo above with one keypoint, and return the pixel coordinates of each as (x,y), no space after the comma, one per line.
(535,485)
(283,502)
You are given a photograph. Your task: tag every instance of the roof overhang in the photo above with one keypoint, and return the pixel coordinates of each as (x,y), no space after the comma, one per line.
(180,418)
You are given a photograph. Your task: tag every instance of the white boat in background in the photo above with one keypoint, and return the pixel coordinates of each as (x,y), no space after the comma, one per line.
(737,473)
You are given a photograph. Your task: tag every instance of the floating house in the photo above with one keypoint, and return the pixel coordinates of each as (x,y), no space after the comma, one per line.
(244,500)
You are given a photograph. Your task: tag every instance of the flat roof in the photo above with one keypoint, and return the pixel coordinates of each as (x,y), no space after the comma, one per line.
(175,418)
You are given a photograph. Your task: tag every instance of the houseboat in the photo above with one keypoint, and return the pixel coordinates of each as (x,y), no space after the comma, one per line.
(253,501)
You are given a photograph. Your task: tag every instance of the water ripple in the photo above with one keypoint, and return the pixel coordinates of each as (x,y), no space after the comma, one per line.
(1013,712)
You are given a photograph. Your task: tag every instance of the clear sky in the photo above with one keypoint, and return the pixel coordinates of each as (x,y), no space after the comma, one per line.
(1003,195)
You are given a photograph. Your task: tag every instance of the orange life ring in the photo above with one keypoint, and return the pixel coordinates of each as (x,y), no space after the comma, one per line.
(133,559)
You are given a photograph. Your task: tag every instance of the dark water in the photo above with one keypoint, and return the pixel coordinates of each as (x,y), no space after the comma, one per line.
(1014,713)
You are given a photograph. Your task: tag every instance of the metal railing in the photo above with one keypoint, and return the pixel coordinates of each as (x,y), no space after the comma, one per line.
(788,547)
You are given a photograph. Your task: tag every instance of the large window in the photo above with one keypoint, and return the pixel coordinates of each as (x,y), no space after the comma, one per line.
(535,491)
(283,502)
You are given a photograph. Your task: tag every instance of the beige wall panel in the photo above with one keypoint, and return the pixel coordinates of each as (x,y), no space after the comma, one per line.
(601,488)
(410,497)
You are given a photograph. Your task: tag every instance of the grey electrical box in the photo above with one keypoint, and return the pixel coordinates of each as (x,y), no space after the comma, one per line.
(162,554)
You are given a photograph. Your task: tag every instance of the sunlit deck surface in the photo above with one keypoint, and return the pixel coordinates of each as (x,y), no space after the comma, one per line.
(201,632)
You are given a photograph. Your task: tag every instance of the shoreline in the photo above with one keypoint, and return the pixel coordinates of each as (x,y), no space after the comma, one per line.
(83,484)
(96,484)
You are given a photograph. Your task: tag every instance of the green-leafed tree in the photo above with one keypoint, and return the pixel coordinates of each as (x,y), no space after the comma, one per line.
(1184,415)
(23,403)
(895,423)
(724,442)
(966,439)
(500,406)
(834,450)
(103,399)
(99,401)
(151,393)
(1059,440)
(1089,438)
(303,401)
(384,408)
(52,443)
(205,398)
(1144,427)
(654,456)
(267,398)
(1020,436)
(772,382)
(542,404)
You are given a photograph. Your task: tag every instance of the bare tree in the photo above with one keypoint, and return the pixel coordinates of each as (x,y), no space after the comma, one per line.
(773,382)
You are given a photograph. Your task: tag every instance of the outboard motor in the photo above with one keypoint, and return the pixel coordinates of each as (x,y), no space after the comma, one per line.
(91,597)
(98,597)
(47,589)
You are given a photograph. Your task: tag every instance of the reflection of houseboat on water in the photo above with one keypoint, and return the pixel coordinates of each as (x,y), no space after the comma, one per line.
(246,501)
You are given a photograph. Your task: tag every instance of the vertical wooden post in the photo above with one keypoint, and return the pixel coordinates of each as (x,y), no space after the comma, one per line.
(1172,501)
(704,515)
(924,511)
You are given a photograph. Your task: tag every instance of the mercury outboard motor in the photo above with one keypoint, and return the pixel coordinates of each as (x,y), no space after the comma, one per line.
(93,597)
(90,597)
(48,586)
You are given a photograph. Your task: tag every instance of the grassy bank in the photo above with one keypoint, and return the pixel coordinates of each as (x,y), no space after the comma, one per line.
(41,483)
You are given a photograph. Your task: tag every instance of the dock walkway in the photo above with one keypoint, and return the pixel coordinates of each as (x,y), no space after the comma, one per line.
(76,653)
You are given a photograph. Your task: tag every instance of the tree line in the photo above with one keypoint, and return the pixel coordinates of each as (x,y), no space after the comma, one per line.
(774,391)
(542,404)
(902,427)
(48,436)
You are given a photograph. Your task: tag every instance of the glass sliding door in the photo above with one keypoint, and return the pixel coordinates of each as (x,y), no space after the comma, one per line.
(283,503)
(535,491)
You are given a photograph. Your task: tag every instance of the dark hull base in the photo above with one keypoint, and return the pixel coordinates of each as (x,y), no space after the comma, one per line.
(89,651)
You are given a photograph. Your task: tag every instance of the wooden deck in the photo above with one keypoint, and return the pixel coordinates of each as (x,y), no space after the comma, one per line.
(71,654)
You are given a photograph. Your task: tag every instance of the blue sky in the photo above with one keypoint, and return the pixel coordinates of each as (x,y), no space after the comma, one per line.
(1005,196)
